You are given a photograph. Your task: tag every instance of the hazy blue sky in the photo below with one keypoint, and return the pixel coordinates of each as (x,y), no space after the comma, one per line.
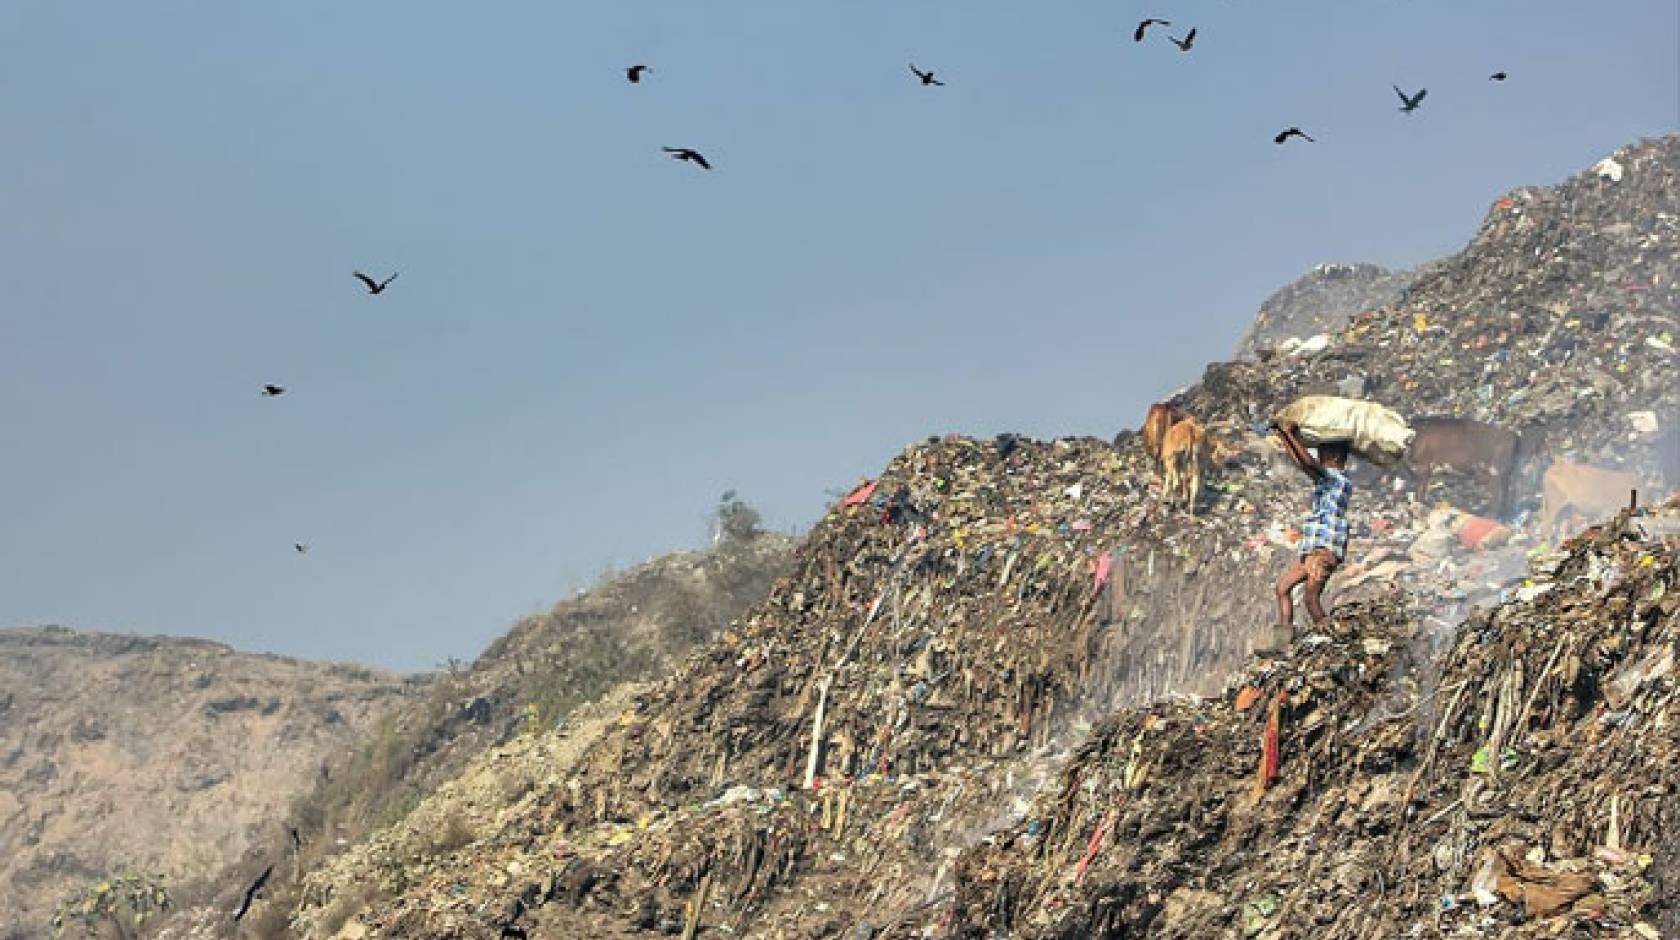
(589,342)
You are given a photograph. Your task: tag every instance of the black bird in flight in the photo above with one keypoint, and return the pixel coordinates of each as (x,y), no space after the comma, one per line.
(1292,132)
(373,286)
(1498,77)
(692,156)
(303,549)
(269,391)
(1185,43)
(926,77)
(1408,105)
(634,73)
(251,893)
(1137,36)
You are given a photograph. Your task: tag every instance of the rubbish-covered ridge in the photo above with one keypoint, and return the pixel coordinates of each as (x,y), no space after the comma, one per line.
(1322,301)
(1527,790)
(1562,316)
(941,723)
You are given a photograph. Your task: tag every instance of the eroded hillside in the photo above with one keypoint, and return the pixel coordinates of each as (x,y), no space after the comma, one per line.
(166,756)
(633,625)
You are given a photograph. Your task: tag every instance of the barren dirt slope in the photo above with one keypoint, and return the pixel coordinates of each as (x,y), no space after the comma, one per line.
(165,755)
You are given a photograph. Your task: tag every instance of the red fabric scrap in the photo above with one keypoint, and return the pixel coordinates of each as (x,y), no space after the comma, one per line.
(1476,530)
(1269,748)
(859,495)
(1247,697)
(1095,846)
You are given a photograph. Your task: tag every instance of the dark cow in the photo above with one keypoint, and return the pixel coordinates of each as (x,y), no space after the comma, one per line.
(1488,451)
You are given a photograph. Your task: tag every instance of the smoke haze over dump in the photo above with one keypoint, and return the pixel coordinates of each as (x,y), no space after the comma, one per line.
(588,343)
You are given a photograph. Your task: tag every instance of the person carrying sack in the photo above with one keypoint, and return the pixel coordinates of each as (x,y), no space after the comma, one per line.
(1324,535)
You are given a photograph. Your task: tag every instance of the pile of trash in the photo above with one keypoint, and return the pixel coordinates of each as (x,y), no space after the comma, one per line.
(948,627)
(1527,790)
(1323,301)
(1562,317)
(959,633)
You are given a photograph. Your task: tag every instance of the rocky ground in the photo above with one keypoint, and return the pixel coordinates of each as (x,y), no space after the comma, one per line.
(165,756)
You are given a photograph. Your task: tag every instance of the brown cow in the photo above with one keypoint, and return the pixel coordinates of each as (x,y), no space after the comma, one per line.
(1184,456)
(1160,419)
(1488,451)
(1575,489)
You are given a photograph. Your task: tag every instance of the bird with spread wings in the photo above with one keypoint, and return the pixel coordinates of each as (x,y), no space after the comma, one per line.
(926,77)
(692,156)
(251,893)
(1137,35)
(373,286)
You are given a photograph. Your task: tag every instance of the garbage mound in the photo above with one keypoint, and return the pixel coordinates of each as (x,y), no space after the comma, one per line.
(946,626)
(1529,790)
(956,627)
(1561,318)
(1323,301)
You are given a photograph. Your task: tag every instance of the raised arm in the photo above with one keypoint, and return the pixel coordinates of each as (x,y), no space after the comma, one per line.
(1297,450)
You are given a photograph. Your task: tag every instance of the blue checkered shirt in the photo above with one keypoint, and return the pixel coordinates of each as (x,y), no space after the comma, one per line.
(1327,524)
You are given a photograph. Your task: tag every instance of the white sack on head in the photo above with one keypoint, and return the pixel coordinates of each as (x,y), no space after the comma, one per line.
(1375,433)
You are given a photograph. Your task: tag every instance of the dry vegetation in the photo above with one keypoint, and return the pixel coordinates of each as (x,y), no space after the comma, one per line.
(633,625)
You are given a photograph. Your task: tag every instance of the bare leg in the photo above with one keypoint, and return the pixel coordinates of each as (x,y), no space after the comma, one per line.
(1318,573)
(1293,575)
(1315,607)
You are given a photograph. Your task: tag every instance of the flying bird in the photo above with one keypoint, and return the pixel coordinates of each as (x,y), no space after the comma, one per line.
(692,156)
(634,73)
(926,77)
(1498,77)
(1137,36)
(303,549)
(1408,105)
(373,286)
(1185,43)
(251,893)
(1292,132)
(269,391)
